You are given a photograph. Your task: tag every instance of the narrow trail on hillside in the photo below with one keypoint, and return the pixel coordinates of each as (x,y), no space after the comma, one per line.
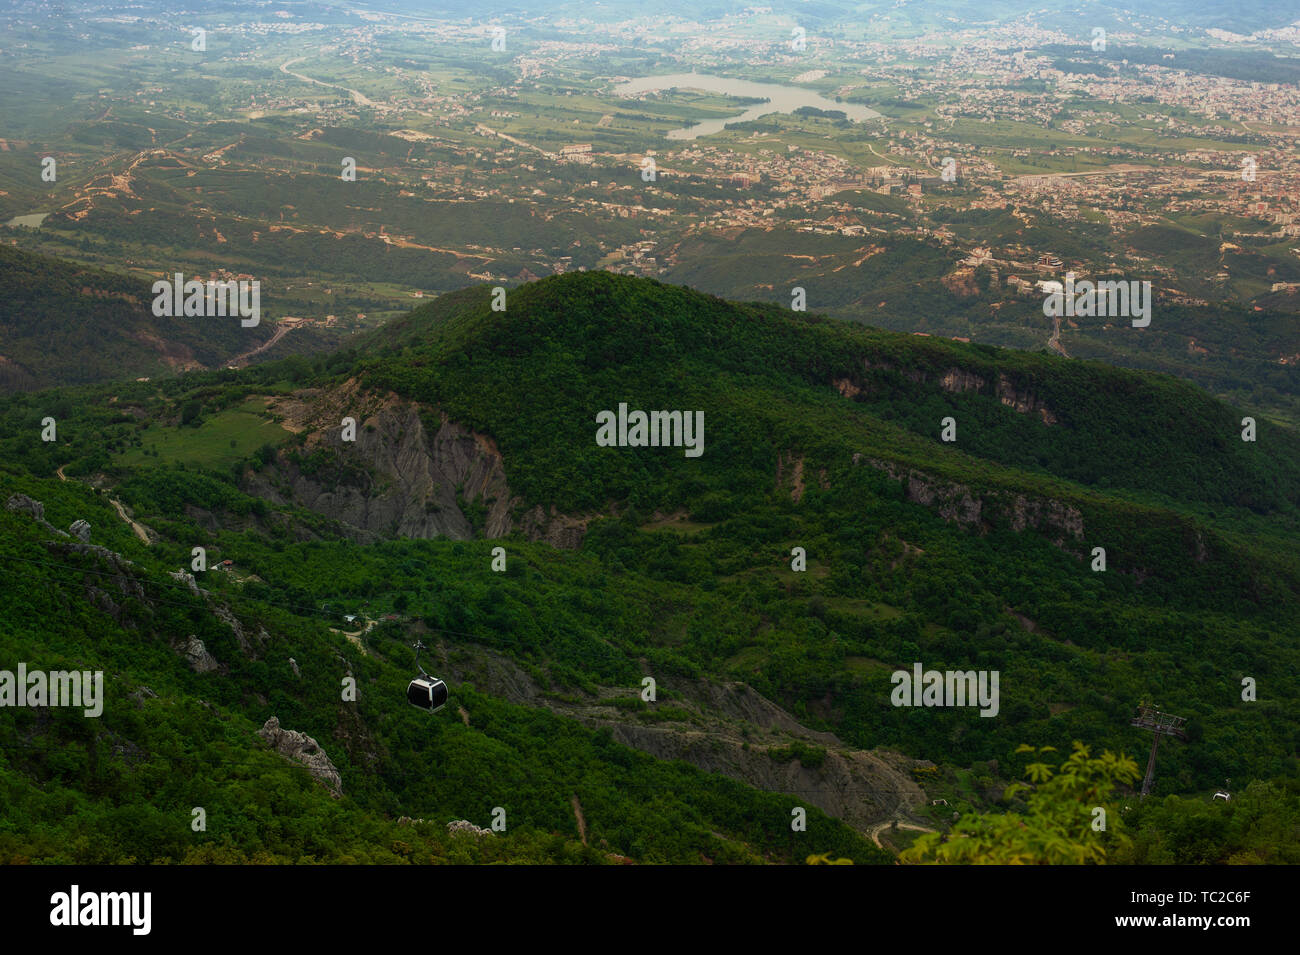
(140,532)
(121,512)
(580,818)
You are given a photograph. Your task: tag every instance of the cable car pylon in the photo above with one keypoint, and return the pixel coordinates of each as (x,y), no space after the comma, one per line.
(1159,724)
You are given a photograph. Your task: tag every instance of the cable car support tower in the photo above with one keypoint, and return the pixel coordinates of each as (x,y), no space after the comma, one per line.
(1159,724)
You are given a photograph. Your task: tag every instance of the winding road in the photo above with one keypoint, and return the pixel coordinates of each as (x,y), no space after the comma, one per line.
(1054,342)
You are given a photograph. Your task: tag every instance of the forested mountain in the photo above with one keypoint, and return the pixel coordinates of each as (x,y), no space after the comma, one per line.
(360,499)
(65,324)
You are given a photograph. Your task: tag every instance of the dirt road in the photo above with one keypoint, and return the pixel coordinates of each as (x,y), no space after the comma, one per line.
(240,360)
(140,532)
(881,827)
(121,512)
(355,635)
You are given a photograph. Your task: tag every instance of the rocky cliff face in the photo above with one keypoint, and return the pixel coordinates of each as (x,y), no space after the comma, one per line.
(955,502)
(729,729)
(22,504)
(109,592)
(958,380)
(197,655)
(106,591)
(856,786)
(410,472)
(1023,400)
(301,748)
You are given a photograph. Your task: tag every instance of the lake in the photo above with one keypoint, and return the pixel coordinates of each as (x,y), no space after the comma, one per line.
(780,99)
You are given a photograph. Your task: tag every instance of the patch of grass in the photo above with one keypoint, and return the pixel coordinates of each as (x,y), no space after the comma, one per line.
(865,666)
(677,523)
(217,442)
(870,609)
(748,660)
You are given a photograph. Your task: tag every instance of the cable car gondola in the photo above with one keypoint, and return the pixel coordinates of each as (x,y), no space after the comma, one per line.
(425,691)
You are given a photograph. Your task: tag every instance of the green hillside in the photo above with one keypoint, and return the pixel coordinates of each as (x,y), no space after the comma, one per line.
(67,324)
(626,563)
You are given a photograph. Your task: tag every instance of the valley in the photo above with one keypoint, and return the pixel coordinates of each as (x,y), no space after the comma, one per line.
(349,348)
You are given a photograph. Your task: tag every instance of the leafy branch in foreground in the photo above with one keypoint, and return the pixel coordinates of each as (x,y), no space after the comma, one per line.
(1057,826)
